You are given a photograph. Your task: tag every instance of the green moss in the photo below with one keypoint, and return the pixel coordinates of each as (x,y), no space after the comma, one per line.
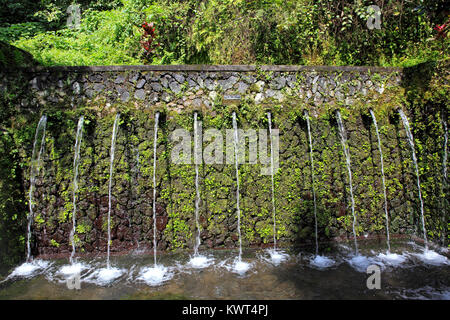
(54,243)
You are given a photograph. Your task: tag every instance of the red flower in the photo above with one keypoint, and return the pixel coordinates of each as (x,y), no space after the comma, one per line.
(441,30)
(148,38)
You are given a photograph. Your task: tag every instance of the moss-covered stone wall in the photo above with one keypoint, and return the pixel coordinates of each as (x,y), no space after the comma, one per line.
(98,93)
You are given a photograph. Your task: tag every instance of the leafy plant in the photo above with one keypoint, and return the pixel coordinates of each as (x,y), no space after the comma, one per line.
(148,37)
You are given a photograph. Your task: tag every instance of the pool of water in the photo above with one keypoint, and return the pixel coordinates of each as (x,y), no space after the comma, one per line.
(262,274)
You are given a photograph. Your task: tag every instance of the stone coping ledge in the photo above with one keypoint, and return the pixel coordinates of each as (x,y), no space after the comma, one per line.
(204,68)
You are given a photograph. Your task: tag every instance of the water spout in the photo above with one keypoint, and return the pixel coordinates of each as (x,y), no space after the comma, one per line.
(35,161)
(411,144)
(444,160)
(76,163)
(312,178)
(382,179)
(269,117)
(236,139)
(347,159)
(444,184)
(155,143)
(157,274)
(111,167)
(197,192)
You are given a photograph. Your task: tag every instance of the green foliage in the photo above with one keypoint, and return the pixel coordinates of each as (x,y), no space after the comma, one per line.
(172,22)
(108,37)
(12,11)
(23,30)
(233,32)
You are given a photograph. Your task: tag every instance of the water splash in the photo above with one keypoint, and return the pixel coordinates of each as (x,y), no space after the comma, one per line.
(347,159)
(155,143)
(35,162)
(111,167)
(236,139)
(29,269)
(200,261)
(411,144)
(360,262)
(312,178)
(76,163)
(269,118)
(105,276)
(156,275)
(433,258)
(322,262)
(382,179)
(392,259)
(236,266)
(241,267)
(72,269)
(276,257)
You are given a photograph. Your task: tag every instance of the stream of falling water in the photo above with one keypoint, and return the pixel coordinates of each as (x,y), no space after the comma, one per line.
(269,117)
(111,167)
(236,154)
(35,161)
(444,171)
(76,163)
(444,160)
(197,192)
(347,159)
(312,178)
(155,143)
(382,179)
(411,144)
(158,273)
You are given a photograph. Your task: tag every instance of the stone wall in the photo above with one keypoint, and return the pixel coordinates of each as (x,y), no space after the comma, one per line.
(138,92)
(183,86)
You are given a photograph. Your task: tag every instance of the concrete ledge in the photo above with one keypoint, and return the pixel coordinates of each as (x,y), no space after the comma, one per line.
(205,68)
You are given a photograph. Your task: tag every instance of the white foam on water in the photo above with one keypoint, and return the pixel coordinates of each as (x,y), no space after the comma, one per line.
(241,267)
(276,256)
(432,257)
(392,259)
(105,276)
(156,275)
(200,261)
(29,269)
(360,263)
(322,262)
(72,269)
(237,266)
